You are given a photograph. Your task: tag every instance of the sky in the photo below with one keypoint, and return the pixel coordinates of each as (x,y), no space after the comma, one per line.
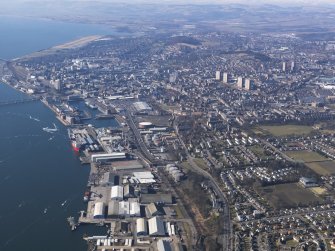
(300,2)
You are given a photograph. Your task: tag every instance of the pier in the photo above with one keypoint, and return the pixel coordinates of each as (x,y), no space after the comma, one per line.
(20,101)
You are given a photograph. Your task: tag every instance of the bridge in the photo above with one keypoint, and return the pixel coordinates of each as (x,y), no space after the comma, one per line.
(19,101)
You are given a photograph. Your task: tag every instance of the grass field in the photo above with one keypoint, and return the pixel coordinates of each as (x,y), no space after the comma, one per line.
(305,156)
(288,196)
(318,163)
(258,151)
(201,163)
(323,167)
(285,130)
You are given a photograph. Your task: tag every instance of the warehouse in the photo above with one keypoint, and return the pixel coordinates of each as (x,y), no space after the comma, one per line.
(128,191)
(143,178)
(156,198)
(141,227)
(152,210)
(113,208)
(104,157)
(124,209)
(99,210)
(134,209)
(163,246)
(142,107)
(117,193)
(156,227)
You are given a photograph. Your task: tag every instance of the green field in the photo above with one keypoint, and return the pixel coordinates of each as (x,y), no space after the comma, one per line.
(258,151)
(286,130)
(323,167)
(288,196)
(305,156)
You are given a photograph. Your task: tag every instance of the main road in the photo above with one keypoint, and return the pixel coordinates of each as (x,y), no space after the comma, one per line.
(227,227)
(148,157)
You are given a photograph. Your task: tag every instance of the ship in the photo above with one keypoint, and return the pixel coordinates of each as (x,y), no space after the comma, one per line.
(72,223)
(50,130)
(86,197)
(76,146)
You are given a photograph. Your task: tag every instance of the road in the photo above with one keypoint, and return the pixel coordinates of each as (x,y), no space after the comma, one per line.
(277,151)
(148,157)
(227,227)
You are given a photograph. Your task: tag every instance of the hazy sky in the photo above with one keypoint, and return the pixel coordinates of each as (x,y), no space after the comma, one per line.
(304,2)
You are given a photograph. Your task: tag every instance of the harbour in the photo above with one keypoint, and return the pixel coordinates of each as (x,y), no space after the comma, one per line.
(38,169)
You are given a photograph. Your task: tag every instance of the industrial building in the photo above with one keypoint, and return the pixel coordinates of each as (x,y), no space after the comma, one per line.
(128,191)
(124,209)
(99,210)
(143,178)
(108,179)
(156,198)
(117,193)
(142,107)
(104,157)
(141,227)
(113,209)
(152,210)
(163,245)
(308,182)
(156,227)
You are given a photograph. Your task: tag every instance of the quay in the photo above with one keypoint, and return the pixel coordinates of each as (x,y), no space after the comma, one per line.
(21,101)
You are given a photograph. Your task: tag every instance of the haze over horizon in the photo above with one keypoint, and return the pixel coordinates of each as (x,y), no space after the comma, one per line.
(247,2)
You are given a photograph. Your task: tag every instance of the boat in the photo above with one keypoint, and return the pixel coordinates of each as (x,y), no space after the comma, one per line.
(72,223)
(45,210)
(50,130)
(76,146)
(63,204)
(86,196)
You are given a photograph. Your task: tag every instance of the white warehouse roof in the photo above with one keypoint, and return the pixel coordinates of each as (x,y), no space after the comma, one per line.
(99,209)
(141,226)
(107,156)
(117,192)
(156,226)
(143,175)
(142,106)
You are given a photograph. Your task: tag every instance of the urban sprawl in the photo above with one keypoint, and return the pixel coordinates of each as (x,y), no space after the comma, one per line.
(225,141)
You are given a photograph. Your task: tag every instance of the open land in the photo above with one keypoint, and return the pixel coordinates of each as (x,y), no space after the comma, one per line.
(286,130)
(289,195)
